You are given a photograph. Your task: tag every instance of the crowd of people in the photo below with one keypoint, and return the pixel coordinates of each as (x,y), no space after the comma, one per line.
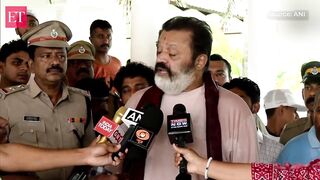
(53,93)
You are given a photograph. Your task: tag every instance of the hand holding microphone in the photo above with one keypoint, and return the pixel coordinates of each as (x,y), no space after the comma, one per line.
(196,164)
(100,154)
(179,132)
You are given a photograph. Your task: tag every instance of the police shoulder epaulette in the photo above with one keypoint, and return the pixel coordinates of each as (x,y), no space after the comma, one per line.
(10,90)
(80,91)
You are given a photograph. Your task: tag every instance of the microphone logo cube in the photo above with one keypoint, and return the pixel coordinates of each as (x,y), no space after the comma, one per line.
(106,127)
(142,137)
(132,117)
(179,123)
(179,128)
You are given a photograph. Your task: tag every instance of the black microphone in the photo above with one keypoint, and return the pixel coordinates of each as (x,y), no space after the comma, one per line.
(138,137)
(180,132)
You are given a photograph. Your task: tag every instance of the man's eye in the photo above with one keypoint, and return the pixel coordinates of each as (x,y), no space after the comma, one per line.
(100,36)
(125,90)
(172,55)
(45,56)
(220,74)
(62,57)
(17,63)
(32,24)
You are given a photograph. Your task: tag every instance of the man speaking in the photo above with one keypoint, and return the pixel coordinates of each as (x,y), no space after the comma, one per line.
(223,126)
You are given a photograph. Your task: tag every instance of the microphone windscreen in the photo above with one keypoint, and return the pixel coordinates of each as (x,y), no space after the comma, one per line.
(152,118)
(118,115)
(179,109)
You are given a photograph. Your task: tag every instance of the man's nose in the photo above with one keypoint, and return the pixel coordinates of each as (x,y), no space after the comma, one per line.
(24,67)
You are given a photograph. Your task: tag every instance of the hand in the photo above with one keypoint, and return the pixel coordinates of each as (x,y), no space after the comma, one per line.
(196,164)
(4,130)
(101,154)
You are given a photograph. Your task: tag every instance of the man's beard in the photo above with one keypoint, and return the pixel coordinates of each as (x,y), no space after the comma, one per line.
(175,83)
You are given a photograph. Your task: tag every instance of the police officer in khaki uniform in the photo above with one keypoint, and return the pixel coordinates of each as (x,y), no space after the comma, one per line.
(46,112)
(80,62)
(310,73)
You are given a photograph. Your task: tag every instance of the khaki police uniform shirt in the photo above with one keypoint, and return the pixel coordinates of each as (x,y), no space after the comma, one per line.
(35,121)
(294,129)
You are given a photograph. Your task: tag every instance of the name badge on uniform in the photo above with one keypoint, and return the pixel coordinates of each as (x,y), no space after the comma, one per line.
(31,118)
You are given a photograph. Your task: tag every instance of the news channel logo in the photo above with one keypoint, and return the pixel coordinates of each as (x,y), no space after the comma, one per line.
(16,16)
(289,15)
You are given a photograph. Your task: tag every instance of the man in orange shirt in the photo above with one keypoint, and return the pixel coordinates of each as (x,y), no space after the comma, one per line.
(105,66)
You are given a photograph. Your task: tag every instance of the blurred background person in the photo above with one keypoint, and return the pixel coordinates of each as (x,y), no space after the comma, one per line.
(131,78)
(249,91)
(14,64)
(281,108)
(80,62)
(99,92)
(305,147)
(32,22)
(105,65)
(220,69)
(310,74)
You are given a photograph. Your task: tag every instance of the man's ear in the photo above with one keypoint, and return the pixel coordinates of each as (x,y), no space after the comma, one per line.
(17,31)
(201,61)
(255,108)
(90,38)
(1,67)
(30,63)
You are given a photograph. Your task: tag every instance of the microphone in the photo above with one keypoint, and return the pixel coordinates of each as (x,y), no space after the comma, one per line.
(148,127)
(179,126)
(132,117)
(112,130)
(138,137)
(179,131)
(129,120)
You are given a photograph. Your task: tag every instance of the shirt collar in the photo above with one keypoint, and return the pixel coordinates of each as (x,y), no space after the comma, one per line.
(35,89)
(313,140)
(277,139)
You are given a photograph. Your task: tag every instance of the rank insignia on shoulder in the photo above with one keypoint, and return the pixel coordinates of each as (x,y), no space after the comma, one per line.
(80,91)
(12,89)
